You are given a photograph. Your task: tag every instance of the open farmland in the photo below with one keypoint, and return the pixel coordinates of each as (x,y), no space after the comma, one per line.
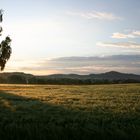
(62,112)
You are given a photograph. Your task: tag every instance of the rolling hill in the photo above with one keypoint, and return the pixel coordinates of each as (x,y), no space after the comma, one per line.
(108,77)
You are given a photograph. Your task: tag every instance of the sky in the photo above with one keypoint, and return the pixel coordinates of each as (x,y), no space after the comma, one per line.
(72,36)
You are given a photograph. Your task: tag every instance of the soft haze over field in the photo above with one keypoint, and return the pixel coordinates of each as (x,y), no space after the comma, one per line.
(73,36)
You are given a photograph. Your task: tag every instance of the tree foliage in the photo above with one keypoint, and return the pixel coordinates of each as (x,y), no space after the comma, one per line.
(5,48)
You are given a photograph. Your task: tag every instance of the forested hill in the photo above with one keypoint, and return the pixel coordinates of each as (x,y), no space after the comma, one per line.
(108,77)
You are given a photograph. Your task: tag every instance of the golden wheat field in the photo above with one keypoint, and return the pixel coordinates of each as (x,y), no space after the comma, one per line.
(70,112)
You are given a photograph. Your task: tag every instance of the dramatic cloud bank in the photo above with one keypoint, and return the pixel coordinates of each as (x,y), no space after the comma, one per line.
(80,65)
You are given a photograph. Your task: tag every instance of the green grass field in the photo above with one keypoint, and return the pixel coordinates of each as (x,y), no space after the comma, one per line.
(60,112)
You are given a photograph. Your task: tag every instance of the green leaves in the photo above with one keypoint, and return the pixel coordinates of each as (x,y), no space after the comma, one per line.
(5,52)
(5,49)
(1,15)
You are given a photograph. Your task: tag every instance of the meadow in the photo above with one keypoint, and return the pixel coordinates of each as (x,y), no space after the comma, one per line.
(69,112)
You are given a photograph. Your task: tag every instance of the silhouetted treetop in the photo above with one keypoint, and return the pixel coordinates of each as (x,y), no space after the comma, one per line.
(1,15)
(5,49)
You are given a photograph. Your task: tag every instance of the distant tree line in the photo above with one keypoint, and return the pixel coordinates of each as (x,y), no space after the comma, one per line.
(21,79)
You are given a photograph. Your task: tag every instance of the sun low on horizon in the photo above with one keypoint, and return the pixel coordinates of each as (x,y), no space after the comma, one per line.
(77,36)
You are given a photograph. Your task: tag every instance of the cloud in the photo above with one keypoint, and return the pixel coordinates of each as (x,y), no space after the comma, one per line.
(122,36)
(80,65)
(137,33)
(132,34)
(95,15)
(130,45)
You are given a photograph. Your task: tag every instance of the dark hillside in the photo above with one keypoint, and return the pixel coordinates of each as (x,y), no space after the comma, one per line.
(103,78)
